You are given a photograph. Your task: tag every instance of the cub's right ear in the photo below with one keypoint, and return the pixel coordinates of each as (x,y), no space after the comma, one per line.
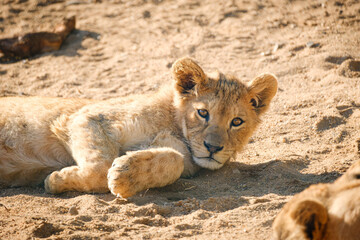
(262,89)
(312,216)
(188,74)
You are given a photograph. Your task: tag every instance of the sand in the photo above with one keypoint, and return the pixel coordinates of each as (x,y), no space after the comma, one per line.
(124,47)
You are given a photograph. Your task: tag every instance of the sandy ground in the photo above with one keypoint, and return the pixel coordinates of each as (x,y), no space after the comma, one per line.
(124,47)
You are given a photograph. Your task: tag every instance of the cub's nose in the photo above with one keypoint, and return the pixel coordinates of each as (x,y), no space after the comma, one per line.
(213,149)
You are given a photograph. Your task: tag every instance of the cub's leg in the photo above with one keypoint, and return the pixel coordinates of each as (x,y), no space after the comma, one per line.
(140,170)
(75,178)
(154,167)
(93,151)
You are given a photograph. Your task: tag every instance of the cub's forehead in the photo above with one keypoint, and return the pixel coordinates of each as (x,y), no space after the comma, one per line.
(225,95)
(227,87)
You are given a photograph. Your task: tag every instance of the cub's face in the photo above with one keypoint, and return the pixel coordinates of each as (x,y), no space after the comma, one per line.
(218,114)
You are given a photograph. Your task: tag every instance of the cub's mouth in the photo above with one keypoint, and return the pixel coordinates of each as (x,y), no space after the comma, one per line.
(210,158)
(208,162)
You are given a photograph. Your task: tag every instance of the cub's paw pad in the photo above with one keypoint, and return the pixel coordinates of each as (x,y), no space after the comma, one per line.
(120,178)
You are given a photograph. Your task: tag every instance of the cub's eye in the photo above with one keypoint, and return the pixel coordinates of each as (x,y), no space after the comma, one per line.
(236,122)
(203,113)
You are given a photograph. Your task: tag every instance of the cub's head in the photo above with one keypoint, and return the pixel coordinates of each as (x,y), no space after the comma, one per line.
(218,114)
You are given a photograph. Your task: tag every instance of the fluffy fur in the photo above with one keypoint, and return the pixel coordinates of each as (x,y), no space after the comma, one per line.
(323,211)
(133,143)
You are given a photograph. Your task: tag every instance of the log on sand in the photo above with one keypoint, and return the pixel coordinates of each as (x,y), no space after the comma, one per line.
(31,44)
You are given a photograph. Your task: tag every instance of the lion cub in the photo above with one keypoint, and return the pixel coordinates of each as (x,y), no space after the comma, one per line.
(323,211)
(126,145)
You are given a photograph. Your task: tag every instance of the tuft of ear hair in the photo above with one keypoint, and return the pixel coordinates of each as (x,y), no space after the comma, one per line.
(187,74)
(313,216)
(262,89)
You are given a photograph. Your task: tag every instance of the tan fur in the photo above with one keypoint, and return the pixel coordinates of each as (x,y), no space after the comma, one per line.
(134,143)
(323,211)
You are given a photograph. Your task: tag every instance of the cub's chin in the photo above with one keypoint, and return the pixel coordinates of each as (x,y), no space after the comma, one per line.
(207,162)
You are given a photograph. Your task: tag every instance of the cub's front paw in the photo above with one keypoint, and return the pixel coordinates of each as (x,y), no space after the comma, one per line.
(120,180)
(140,170)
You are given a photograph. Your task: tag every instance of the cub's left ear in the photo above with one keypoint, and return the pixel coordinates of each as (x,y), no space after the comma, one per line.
(188,75)
(262,89)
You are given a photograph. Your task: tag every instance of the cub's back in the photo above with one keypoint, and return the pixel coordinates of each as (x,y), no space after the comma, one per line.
(27,145)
